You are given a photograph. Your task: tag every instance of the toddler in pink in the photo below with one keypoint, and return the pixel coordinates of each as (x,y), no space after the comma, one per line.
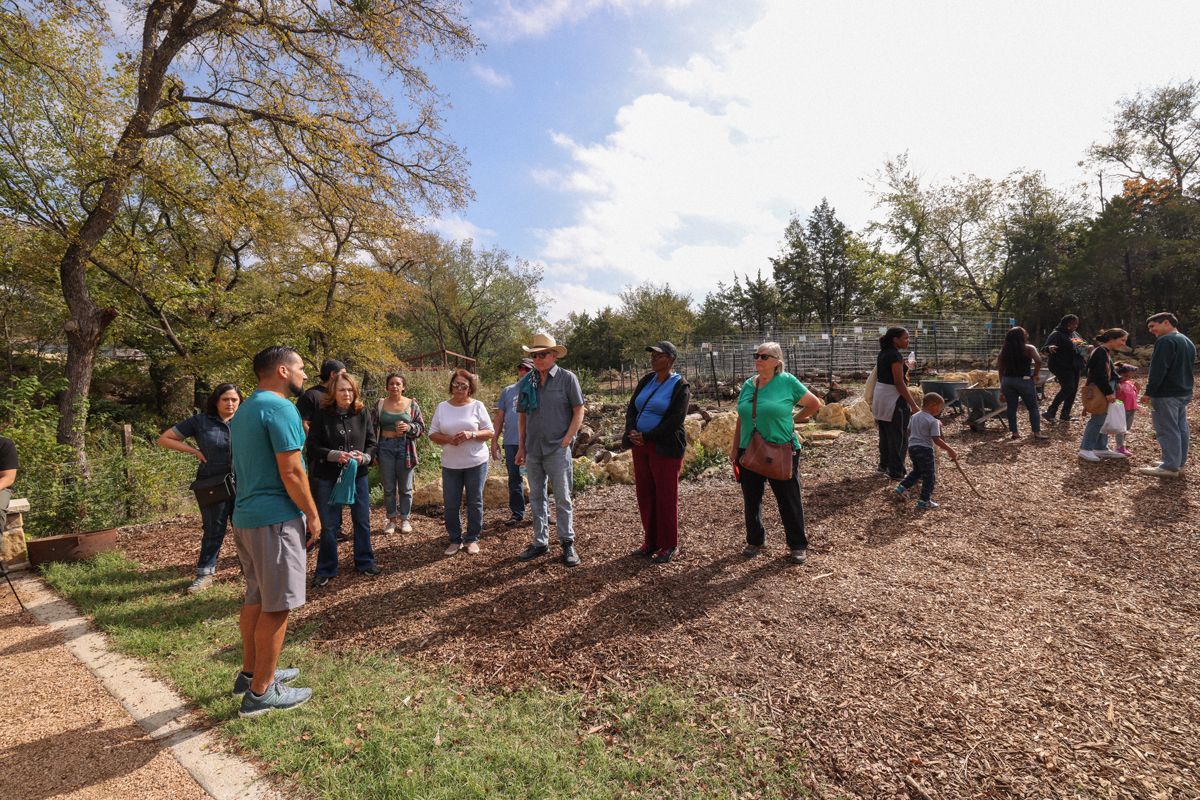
(1127,393)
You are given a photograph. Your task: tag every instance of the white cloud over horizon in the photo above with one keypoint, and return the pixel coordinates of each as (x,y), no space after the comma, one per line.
(697,179)
(491,77)
(459,228)
(530,19)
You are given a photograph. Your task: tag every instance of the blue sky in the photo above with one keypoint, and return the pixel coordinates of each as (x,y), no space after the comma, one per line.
(617,141)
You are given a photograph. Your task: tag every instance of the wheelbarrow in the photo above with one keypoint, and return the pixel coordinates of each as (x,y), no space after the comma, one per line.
(981,404)
(947,389)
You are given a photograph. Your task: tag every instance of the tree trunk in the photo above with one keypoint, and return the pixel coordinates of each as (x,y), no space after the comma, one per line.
(83,342)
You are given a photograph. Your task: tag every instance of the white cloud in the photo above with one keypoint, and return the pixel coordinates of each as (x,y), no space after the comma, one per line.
(566,297)
(458,228)
(526,19)
(491,77)
(697,180)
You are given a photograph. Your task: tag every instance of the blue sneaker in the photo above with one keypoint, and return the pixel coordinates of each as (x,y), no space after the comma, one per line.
(241,684)
(898,492)
(277,697)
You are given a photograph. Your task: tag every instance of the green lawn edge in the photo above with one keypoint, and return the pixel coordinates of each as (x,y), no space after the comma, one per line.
(384,727)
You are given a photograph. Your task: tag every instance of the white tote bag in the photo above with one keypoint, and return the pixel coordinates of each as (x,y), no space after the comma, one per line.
(1114,420)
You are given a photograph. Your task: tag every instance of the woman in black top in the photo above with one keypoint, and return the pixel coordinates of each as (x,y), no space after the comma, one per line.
(210,430)
(342,432)
(1100,374)
(654,429)
(1066,362)
(892,404)
(1019,364)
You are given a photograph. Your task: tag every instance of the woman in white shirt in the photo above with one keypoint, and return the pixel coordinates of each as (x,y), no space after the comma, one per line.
(462,426)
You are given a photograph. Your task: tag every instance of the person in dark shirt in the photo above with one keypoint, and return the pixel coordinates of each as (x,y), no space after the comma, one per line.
(210,430)
(1064,348)
(8,471)
(309,403)
(1169,388)
(1019,365)
(342,445)
(1100,374)
(892,404)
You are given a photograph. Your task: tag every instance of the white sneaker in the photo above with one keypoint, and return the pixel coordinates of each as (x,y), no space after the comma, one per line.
(389,528)
(1108,454)
(405,527)
(452,548)
(1088,455)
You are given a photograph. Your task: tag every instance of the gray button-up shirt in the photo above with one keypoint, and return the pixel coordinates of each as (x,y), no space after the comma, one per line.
(546,425)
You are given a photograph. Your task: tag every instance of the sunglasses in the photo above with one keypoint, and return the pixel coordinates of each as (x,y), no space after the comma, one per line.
(762,356)
(542,354)
(460,386)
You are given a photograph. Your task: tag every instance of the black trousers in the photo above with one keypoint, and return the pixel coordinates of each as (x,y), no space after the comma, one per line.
(1068,382)
(787,495)
(893,440)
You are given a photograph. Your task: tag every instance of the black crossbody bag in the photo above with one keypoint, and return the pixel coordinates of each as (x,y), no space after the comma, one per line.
(213,490)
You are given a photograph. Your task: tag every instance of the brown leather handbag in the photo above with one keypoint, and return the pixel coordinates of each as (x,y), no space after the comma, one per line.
(1094,400)
(770,460)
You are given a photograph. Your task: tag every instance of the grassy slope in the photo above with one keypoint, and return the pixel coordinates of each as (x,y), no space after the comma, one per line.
(378,727)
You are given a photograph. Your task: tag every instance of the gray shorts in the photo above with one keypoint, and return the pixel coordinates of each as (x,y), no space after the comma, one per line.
(275,564)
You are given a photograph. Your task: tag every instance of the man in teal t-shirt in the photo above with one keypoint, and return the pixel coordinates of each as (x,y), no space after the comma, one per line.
(269,529)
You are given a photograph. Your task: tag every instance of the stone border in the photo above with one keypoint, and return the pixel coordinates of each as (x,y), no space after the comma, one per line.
(166,716)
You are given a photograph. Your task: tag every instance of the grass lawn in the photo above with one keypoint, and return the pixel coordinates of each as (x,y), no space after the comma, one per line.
(378,727)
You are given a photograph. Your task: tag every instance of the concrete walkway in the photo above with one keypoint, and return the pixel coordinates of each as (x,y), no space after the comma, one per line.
(80,721)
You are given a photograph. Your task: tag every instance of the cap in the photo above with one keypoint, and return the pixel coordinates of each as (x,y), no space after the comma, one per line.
(1126,367)
(663,347)
(527,363)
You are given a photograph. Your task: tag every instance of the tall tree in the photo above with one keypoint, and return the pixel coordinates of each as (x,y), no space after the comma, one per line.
(1157,135)
(651,312)
(815,270)
(278,83)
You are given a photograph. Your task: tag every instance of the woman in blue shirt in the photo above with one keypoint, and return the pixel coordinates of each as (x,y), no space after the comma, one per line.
(654,429)
(210,430)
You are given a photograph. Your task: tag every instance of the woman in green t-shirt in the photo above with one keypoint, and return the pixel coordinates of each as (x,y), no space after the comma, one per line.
(777,394)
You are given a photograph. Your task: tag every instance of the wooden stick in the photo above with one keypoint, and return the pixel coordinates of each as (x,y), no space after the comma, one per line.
(963,472)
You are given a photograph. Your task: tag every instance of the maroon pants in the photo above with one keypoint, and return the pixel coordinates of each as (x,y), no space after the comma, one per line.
(657,480)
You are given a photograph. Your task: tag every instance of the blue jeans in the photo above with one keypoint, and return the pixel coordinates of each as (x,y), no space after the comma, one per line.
(453,482)
(215,519)
(1093,439)
(1023,390)
(924,470)
(555,469)
(1169,416)
(396,476)
(331,526)
(516,488)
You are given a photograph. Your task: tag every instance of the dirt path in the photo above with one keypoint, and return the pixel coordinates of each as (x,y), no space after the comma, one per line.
(1043,642)
(62,735)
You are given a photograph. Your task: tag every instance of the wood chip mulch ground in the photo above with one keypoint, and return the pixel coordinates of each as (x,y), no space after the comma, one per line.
(1041,642)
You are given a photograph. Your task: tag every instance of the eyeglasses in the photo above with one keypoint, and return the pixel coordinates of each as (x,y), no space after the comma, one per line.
(542,354)
(460,386)
(762,356)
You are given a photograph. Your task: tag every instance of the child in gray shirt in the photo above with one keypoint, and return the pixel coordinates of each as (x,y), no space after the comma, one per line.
(925,431)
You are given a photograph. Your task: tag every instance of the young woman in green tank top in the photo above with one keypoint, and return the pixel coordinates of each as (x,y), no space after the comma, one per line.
(399,425)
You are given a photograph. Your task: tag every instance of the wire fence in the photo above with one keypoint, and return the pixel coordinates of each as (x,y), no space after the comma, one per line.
(846,350)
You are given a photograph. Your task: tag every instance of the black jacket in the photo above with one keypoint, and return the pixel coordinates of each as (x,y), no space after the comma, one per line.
(1100,371)
(1064,359)
(668,437)
(331,430)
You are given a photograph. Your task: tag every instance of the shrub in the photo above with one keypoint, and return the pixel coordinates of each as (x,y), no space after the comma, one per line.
(582,478)
(703,460)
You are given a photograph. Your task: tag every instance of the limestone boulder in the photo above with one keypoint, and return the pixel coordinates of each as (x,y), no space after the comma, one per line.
(430,494)
(495,489)
(858,414)
(833,415)
(693,426)
(917,394)
(620,468)
(718,433)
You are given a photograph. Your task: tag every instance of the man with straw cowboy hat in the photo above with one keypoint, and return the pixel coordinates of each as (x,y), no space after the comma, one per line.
(549,413)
